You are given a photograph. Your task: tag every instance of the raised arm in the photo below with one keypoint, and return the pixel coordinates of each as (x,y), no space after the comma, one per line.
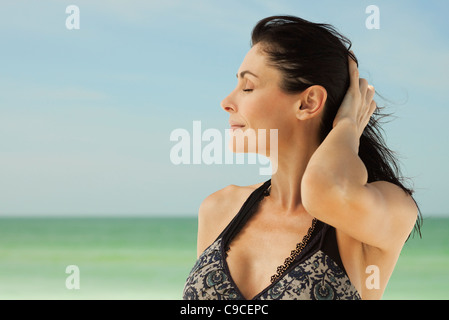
(335,186)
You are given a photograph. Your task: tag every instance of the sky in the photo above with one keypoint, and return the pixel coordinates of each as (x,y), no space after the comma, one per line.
(86,114)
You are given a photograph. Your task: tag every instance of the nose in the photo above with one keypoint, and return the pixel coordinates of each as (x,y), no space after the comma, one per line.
(228,105)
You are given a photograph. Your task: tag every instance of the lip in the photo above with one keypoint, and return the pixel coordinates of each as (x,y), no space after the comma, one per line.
(235,124)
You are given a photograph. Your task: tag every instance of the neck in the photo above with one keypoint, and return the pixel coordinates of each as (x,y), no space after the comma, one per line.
(291,164)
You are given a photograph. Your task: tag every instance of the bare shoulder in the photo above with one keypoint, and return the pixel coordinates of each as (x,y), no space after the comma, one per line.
(384,218)
(217,210)
(375,233)
(402,208)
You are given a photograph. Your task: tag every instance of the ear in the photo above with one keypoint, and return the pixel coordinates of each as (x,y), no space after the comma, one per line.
(312,102)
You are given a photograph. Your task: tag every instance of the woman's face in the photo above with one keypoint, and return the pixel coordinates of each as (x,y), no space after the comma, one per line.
(258,102)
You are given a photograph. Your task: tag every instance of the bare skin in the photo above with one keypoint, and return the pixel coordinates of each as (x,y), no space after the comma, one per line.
(327,181)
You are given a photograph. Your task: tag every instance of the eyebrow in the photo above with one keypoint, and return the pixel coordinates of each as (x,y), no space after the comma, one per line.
(242,74)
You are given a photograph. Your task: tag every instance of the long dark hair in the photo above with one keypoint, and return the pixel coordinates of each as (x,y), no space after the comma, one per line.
(307,54)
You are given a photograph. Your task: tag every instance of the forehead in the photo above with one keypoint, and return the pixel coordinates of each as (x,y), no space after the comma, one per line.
(256,62)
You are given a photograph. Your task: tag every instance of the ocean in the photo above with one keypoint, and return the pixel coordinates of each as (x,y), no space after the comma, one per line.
(150,258)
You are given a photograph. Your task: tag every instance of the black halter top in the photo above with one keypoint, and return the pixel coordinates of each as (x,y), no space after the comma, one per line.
(317,273)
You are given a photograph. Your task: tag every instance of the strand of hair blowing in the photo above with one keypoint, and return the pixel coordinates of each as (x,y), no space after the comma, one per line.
(307,54)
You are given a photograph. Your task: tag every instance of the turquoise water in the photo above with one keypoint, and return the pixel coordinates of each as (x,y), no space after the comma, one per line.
(150,258)
(118,258)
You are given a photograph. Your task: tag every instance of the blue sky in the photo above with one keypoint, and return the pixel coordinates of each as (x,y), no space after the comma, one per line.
(86,115)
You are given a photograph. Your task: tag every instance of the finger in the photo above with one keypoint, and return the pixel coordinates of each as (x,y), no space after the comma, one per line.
(363,87)
(373,107)
(366,116)
(369,94)
(353,73)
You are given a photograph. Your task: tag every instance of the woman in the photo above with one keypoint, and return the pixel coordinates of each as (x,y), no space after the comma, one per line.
(336,195)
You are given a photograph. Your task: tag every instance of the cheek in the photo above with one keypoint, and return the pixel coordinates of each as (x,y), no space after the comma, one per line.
(255,110)
(275,110)
(263,106)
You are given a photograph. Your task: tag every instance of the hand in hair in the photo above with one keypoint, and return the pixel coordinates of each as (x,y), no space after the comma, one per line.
(358,104)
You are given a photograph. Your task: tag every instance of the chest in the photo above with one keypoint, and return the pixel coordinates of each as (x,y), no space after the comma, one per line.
(260,247)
